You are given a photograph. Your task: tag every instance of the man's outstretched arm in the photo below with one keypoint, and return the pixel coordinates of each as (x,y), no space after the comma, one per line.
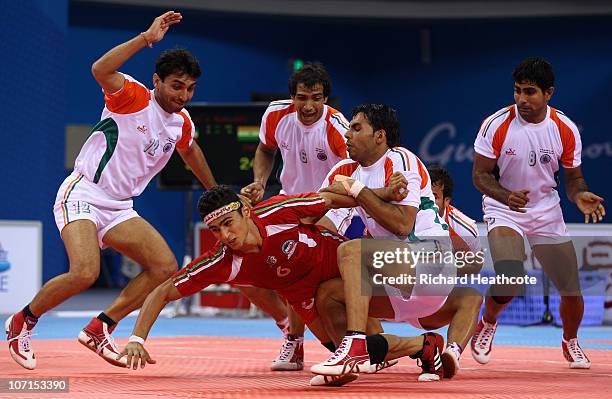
(153,305)
(105,68)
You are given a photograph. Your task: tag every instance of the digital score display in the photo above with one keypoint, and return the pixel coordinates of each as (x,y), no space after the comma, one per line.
(228,135)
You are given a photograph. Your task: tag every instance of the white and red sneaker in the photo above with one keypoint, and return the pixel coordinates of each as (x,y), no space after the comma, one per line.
(450,360)
(96,336)
(575,355)
(482,341)
(430,361)
(291,356)
(18,334)
(350,357)
(332,380)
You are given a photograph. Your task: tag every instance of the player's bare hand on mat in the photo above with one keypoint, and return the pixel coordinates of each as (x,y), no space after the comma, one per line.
(517,200)
(397,189)
(254,192)
(136,353)
(591,205)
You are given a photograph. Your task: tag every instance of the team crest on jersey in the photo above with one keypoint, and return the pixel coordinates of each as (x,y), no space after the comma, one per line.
(142,129)
(167,147)
(289,247)
(303,156)
(510,151)
(321,155)
(545,158)
(271,260)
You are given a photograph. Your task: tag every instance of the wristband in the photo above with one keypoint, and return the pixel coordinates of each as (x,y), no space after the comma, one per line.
(136,338)
(149,44)
(356,188)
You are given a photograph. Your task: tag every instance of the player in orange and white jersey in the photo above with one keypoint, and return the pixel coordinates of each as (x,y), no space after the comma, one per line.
(137,134)
(310,137)
(519,150)
(410,223)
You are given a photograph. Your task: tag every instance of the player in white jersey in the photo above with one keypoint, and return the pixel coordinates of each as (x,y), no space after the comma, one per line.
(411,223)
(518,151)
(310,137)
(139,130)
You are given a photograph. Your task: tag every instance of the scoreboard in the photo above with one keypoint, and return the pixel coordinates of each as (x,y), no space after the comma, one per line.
(228,135)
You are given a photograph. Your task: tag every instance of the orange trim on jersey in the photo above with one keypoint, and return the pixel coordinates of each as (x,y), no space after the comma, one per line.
(132,97)
(459,215)
(388,170)
(272,122)
(344,170)
(500,134)
(423,173)
(567,139)
(183,142)
(334,136)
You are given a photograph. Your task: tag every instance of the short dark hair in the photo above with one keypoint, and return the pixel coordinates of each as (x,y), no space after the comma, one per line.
(384,117)
(215,198)
(535,70)
(311,74)
(178,61)
(440,176)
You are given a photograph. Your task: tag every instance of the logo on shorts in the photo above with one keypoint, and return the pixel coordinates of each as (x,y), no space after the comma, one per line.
(4,263)
(271,260)
(510,151)
(303,156)
(308,304)
(545,158)
(289,247)
(490,221)
(321,155)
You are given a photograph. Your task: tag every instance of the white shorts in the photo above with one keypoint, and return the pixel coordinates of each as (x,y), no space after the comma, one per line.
(78,198)
(540,225)
(425,299)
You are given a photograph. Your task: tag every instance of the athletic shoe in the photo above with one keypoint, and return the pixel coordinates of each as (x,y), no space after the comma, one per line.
(350,357)
(291,356)
(482,341)
(375,368)
(96,337)
(575,355)
(450,360)
(332,380)
(430,360)
(18,334)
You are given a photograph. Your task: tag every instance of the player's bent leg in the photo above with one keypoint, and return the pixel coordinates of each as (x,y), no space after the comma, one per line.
(138,240)
(559,263)
(80,240)
(269,302)
(508,251)
(460,313)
